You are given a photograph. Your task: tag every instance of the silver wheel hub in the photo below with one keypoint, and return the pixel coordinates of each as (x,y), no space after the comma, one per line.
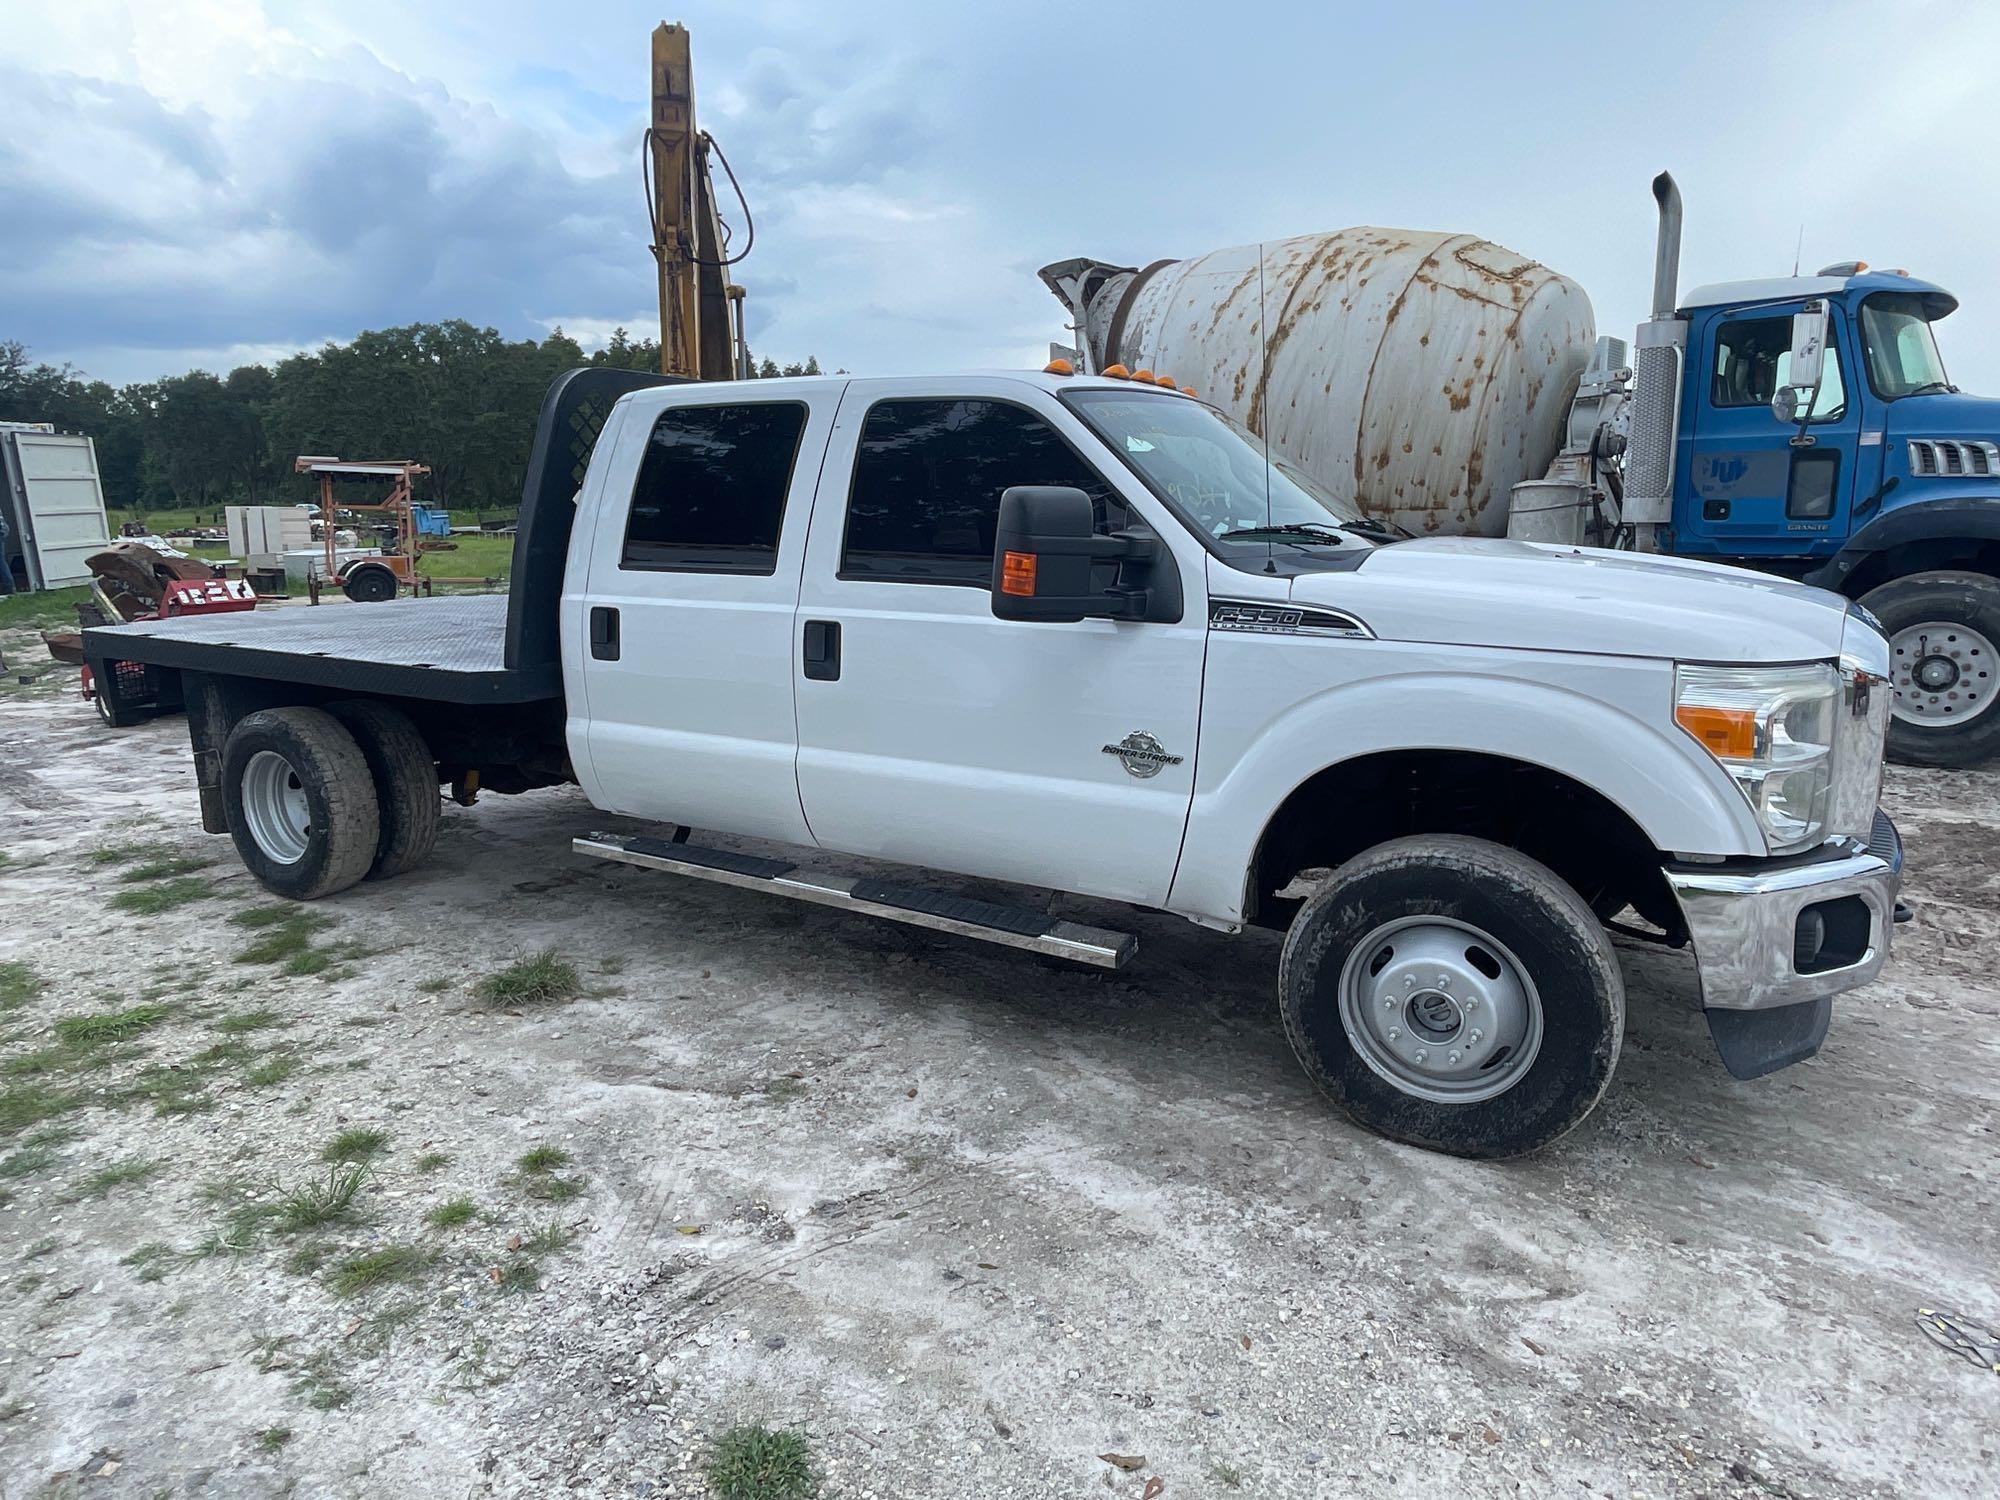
(1943,673)
(1440,1009)
(275,810)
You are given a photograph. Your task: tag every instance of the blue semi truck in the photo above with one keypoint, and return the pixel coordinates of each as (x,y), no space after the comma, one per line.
(1802,425)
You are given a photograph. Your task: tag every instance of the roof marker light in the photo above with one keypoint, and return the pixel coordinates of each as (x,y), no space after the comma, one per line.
(1058,367)
(1144,377)
(1116,372)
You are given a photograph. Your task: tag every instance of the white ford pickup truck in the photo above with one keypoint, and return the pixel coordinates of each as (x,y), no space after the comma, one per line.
(1077,635)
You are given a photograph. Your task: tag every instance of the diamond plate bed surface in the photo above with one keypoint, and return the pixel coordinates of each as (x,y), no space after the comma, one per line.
(451,648)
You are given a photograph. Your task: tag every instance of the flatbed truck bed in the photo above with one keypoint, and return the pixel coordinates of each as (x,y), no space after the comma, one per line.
(449,650)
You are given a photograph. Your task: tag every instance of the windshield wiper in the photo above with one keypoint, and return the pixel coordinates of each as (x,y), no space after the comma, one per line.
(1289,529)
(1930,385)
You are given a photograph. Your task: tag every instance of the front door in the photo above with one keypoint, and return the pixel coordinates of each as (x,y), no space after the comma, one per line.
(686,627)
(1753,488)
(932,733)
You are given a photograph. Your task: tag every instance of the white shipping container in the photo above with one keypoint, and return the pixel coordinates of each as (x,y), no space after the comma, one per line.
(54,504)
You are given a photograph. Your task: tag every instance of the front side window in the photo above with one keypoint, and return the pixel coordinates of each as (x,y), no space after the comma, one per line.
(928,475)
(710,497)
(1901,351)
(1753,359)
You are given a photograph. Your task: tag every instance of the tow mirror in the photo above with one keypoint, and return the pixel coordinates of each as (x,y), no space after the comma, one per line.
(1043,552)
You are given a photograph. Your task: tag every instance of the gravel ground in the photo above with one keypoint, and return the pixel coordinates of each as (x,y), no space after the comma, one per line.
(966,1220)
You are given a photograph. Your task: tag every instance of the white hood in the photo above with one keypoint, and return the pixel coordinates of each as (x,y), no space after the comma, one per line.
(1534,597)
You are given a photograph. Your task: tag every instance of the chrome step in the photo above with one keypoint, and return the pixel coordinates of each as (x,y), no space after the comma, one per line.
(919,906)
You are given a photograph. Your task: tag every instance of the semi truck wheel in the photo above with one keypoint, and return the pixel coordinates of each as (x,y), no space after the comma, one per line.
(1944,650)
(406,783)
(369,585)
(1454,994)
(300,801)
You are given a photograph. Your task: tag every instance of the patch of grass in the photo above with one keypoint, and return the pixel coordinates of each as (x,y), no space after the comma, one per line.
(273,1439)
(318,1382)
(316,1204)
(242,1021)
(611,966)
(307,1259)
(40,1248)
(358,1144)
(311,961)
(543,1159)
(520,1276)
(224,1052)
(549,1187)
(376,1268)
(538,979)
(284,939)
(25,1104)
(108,1028)
(784,1090)
(29,1161)
(430,1161)
(434,986)
(153,1260)
(183,1104)
(753,1462)
(168,895)
(271,1070)
(1226,1475)
(18,984)
(264,916)
(133,1169)
(379,1329)
(361,1021)
(162,869)
(453,1212)
(551,1238)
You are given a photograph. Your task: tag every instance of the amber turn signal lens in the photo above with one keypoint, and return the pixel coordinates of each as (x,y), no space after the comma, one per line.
(1118,372)
(1730,733)
(1058,367)
(1017,574)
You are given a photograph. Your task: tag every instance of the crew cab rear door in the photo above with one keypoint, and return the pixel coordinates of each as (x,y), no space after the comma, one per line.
(684,636)
(932,733)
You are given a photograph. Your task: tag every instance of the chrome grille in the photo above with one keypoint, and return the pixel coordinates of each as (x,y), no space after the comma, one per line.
(1949,457)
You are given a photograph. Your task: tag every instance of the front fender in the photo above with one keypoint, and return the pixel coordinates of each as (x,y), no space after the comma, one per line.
(1950,518)
(1646,766)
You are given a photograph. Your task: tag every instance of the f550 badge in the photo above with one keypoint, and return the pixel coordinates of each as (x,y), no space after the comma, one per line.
(1142,755)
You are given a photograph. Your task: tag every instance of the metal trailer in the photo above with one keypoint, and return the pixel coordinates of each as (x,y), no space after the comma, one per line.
(53,504)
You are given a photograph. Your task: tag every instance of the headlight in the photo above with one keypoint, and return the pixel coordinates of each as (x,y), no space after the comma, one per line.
(1772,729)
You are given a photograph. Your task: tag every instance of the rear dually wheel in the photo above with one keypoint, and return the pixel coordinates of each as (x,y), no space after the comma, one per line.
(301,802)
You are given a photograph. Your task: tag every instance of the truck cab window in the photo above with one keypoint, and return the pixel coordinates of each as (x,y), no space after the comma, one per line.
(710,496)
(1901,350)
(928,476)
(1753,357)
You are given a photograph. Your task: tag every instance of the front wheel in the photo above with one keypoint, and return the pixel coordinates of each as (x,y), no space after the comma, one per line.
(1454,994)
(1944,633)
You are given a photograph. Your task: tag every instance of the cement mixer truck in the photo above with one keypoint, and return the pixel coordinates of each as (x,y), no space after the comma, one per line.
(1800,425)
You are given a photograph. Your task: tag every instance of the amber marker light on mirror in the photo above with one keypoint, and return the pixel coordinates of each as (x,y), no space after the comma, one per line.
(1017,574)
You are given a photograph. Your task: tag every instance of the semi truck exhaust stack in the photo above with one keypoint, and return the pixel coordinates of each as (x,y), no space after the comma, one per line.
(1667,254)
(1656,384)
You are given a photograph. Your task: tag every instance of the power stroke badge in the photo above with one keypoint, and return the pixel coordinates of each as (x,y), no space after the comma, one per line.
(1142,755)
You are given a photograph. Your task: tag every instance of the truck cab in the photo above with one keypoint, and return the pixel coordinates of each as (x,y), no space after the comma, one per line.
(1883,485)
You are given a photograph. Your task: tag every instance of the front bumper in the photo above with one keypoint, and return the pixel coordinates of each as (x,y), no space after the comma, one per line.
(1744,920)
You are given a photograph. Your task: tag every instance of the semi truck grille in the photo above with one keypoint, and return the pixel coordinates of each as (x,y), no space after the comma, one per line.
(1944,457)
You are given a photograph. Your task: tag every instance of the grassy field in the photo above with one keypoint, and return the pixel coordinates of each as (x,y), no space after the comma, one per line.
(51,609)
(472,557)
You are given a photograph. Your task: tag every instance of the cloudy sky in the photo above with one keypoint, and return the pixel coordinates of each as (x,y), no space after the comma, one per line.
(208,182)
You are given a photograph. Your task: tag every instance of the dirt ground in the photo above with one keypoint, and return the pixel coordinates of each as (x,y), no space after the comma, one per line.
(965,1219)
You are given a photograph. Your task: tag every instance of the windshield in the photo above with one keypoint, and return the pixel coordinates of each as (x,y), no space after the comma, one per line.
(1212,471)
(1902,354)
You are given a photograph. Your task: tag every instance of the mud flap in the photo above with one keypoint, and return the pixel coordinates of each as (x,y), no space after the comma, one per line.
(1756,1042)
